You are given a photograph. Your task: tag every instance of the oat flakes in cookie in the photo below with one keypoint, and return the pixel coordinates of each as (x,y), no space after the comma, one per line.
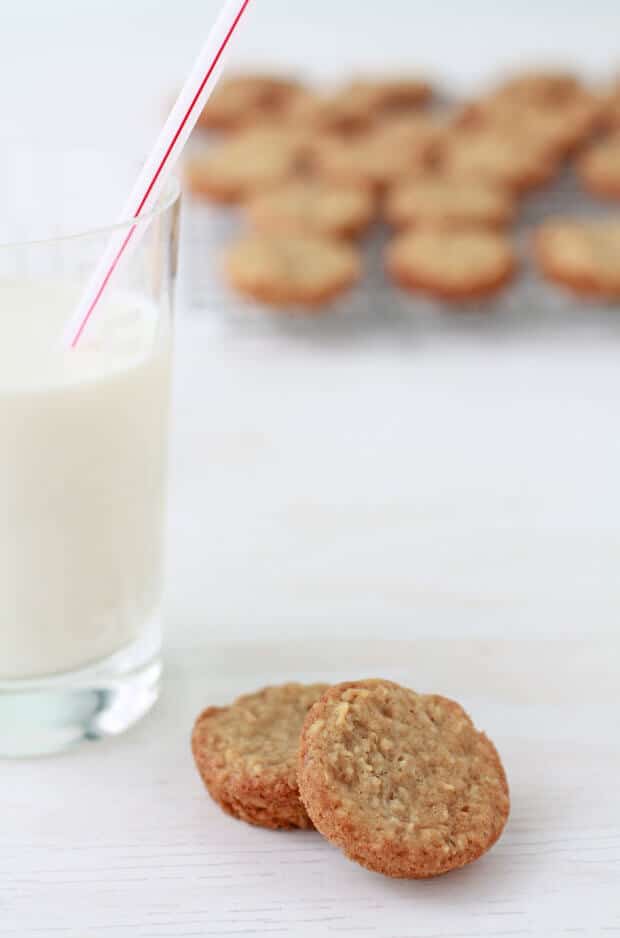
(442,202)
(599,168)
(582,255)
(247,754)
(451,265)
(292,270)
(308,205)
(402,782)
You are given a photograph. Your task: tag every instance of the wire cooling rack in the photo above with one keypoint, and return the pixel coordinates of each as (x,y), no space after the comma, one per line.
(375,306)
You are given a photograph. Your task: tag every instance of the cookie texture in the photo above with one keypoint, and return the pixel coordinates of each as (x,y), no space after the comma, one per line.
(451,265)
(308,205)
(582,255)
(402,782)
(292,269)
(249,162)
(246,754)
(370,161)
(599,168)
(441,202)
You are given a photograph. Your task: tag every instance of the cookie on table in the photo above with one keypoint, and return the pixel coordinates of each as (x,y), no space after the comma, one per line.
(449,203)
(309,205)
(247,754)
(451,265)
(402,782)
(243,98)
(292,269)
(582,255)
(368,161)
(599,168)
(244,164)
(489,154)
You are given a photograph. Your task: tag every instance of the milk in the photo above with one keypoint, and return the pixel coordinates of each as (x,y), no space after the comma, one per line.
(83,436)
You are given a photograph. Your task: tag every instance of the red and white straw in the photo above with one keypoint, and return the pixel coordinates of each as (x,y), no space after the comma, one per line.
(156,170)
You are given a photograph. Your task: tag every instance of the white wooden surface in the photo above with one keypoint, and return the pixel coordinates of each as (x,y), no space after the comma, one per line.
(120,839)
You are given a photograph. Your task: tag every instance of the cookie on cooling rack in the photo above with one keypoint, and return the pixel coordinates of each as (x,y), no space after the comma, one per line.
(544,87)
(449,203)
(393,94)
(451,265)
(582,255)
(281,270)
(599,168)
(247,753)
(369,161)
(249,162)
(495,155)
(243,99)
(344,112)
(402,782)
(308,205)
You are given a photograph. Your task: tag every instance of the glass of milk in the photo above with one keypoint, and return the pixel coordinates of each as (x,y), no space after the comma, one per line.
(84,437)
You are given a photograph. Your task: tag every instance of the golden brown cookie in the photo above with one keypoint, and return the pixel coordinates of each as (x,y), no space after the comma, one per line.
(369,161)
(599,168)
(547,87)
(247,753)
(495,156)
(451,265)
(343,112)
(582,255)
(249,162)
(449,203)
(421,134)
(242,99)
(393,94)
(308,205)
(402,782)
(292,269)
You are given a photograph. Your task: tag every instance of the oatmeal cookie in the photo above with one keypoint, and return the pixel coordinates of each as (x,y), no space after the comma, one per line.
(493,155)
(451,265)
(582,255)
(292,269)
(249,162)
(244,98)
(443,202)
(312,206)
(246,754)
(599,168)
(402,782)
(369,161)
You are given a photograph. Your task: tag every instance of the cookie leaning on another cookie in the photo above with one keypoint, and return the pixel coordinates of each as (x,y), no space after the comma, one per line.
(402,782)
(292,269)
(451,265)
(246,754)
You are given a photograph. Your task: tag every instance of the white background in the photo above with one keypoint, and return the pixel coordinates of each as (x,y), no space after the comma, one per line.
(462,483)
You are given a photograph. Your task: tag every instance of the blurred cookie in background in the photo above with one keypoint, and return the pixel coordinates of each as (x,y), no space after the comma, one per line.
(599,168)
(370,161)
(248,162)
(241,99)
(496,156)
(451,265)
(309,205)
(292,270)
(449,203)
(581,254)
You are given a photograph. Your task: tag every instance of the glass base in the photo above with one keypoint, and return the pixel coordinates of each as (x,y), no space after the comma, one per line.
(46,715)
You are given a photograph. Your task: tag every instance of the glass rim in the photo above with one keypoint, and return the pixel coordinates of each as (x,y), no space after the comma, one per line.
(170,197)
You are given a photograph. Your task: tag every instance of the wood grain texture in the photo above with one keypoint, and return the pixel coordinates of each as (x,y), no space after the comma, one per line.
(121,839)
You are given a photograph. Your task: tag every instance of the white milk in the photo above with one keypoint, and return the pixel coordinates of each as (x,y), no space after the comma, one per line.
(82,478)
